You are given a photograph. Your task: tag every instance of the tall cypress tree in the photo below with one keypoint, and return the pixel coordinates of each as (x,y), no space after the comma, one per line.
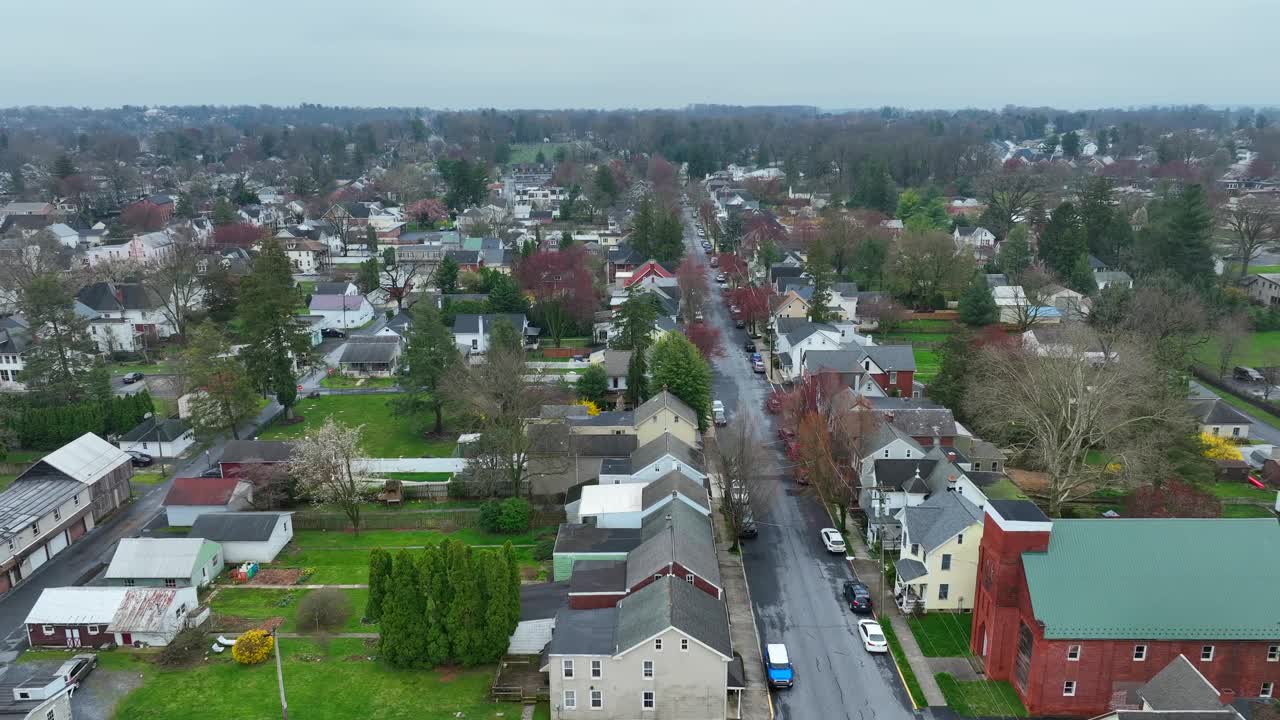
(433,577)
(491,573)
(274,337)
(402,632)
(380,566)
(512,567)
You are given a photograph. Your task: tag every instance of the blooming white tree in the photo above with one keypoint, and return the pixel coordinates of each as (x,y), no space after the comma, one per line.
(324,465)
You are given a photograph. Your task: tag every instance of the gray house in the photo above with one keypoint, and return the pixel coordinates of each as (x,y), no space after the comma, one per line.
(164,562)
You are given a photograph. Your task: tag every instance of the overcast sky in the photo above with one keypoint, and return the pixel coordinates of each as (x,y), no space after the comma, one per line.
(648,53)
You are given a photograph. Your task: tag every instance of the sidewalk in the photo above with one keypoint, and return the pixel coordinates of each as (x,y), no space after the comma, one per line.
(867,568)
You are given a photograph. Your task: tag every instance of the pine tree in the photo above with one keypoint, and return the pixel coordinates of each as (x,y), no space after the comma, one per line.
(431,356)
(371,241)
(402,628)
(58,365)
(463,621)
(679,368)
(644,230)
(669,240)
(491,572)
(505,296)
(1015,253)
(380,565)
(977,306)
(637,379)
(1063,241)
(819,269)
(447,275)
(63,167)
(593,384)
(512,568)
(274,338)
(433,579)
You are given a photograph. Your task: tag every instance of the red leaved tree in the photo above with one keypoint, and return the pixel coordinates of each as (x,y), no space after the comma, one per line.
(144,217)
(691,278)
(241,235)
(732,266)
(1173,499)
(426,211)
(560,283)
(706,338)
(752,304)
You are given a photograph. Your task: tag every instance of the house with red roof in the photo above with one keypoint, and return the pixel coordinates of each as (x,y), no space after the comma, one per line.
(191,497)
(649,269)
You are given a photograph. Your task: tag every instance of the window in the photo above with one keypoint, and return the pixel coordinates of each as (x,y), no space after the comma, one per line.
(1267,689)
(75,500)
(1073,653)
(688,578)
(908,453)
(57,514)
(170,582)
(1235,431)
(657,644)
(128,582)
(570,700)
(1069,688)
(47,629)
(566,669)
(684,644)
(597,699)
(1273,652)
(1139,653)
(51,715)
(657,576)
(943,590)
(647,700)
(946,561)
(11,548)
(1206,653)
(915,548)
(596,670)
(35,527)
(893,377)
(93,629)
(1216,429)
(886,452)
(647,668)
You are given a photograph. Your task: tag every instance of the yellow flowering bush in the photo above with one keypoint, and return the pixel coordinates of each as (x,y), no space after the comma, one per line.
(592,409)
(1217,447)
(252,647)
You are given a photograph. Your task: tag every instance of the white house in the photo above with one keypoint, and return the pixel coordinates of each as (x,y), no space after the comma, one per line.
(662,455)
(159,437)
(796,337)
(15,339)
(611,506)
(123,317)
(306,256)
(90,616)
(342,312)
(140,249)
(246,536)
(471,332)
(189,498)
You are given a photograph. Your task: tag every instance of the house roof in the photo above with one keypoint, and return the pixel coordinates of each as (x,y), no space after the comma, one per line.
(596,576)
(1215,411)
(617,498)
(608,418)
(891,357)
(673,603)
(198,491)
(675,482)
(371,352)
(797,329)
(117,297)
(155,557)
(1180,687)
(33,495)
(87,458)
(236,526)
(905,475)
(469,323)
(145,610)
(615,466)
(584,632)
(1019,510)
(616,362)
(153,430)
(665,401)
(337,302)
(665,444)
(1097,578)
(331,288)
(677,533)
(250,451)
(76,605)
(939,518)
(580,538)
(907,569)
(922,422)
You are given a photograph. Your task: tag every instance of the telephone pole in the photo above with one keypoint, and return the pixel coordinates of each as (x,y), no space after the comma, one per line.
(284,704)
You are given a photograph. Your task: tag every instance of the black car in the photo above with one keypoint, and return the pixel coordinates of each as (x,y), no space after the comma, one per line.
(131,378)
(749,346)
(858,597)
(332,333)
(213,472)
(140,459)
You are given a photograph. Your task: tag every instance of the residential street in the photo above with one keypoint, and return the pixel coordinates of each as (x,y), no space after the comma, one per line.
(1260,431)
(794,581)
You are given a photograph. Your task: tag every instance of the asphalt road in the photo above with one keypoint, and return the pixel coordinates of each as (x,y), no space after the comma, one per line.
(1261,430)
(794,581)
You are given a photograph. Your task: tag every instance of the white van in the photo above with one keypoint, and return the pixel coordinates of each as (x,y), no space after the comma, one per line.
(717,413)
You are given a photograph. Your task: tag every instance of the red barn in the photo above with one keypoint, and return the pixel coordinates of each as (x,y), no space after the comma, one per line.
(1073,613)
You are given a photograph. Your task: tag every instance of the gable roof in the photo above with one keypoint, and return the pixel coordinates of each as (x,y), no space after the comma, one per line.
(1097,578)
(665,444)
(905,475)
(251,451)
(153,430)
(147,609)
(337,302)
(155,558)
(369,350)
(677,533)
(331,288)
(921,421)
(581,538)
(665,401)
(675,482)
(94,605)
(117,297)
(236,526)
(87,458)
(939,518)
(671,603)
(1215,411)
(200,491)
(1179,686)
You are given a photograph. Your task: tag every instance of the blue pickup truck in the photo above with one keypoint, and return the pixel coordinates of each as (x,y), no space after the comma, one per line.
(778,666)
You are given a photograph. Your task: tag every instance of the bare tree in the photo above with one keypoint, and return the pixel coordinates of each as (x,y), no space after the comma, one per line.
(24,259)
(176,280)
(324,465)
(1254,221)
(1055,406)
(398,278)
(742,468)
(1009,196)
(1030,308)
(1231,332)
(833,439)
(1171,316)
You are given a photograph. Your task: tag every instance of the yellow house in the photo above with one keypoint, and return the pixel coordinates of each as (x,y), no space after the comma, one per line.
(791,305)
(937,567)
(666,413)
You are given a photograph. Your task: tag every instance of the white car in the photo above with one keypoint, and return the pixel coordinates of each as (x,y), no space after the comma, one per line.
(872,636)
(832,539)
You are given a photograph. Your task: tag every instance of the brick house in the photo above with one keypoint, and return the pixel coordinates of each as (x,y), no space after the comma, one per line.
(1074,612)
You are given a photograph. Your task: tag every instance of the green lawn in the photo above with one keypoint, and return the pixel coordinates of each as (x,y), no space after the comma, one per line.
(7,480)
(900,658)
(160,368)
(928,363)
(983,698)
(941,634)
(342,381)
(1242,490)
(260,604)
(386,435)
(321,682)
(1004,489)
(147,478)
(1246,511)
(309,539)
(527,153)
(23,457)
(1261,349)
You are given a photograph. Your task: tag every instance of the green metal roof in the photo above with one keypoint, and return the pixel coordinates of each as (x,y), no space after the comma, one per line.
(1170,579)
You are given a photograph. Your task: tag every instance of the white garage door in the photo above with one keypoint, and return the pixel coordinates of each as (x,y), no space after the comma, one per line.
(38,557)
(57,543)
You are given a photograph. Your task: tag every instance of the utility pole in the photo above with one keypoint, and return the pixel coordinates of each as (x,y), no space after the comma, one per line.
(284,704)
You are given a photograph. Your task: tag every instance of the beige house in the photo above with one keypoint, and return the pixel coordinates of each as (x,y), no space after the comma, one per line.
(791,305)
(1263,288)
(666,413)
(937,566)
(663,652)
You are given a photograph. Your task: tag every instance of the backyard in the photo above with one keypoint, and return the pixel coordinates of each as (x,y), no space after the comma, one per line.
(925,338)
(1260,349)
(386,434)
(262,603)
(981,698)
(941,634)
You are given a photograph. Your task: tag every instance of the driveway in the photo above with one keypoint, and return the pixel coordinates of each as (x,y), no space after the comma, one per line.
(794,580)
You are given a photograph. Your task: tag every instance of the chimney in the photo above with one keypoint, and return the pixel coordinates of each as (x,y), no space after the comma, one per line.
(888,416)
(951,456)
(1227,696)
(952,482)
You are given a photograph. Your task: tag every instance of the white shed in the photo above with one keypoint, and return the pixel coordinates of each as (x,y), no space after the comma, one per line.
(246,536)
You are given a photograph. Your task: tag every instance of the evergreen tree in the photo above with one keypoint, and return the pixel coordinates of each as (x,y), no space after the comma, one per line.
(274,338)
(402,625)
(977,306)
(635,319)
(669,240)
(874,188)
(1178,238)
(431,356)
(1015,253)
(637,379)
(370,276)
(466,611)
(1080,278)
(819,269)
(434,577)
(63,167)
(1062,243)
(59,365)
(505,296)
(491,571)
(512,567)
(593,384)
(447,275)
(224,213)
(948,388)
(679,368)
(184,208)
(380,567)
(371,241)
(644,229)
(503,336)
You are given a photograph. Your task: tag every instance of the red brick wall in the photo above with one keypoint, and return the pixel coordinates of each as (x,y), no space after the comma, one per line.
(59,636)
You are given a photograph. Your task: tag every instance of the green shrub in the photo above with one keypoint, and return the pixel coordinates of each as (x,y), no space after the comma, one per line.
(513,516)
(490,511)
(543,550)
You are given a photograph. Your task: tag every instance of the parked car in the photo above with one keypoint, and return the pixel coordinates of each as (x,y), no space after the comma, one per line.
(739,323)
(872,636)
(332,333)
(777,666)
(75,670)
(858,596)
(757,366)
(717,413)
(749,346)
(213,472)
(1247,374)
(748,529)
(721,277)
(140,459)
(833,541)
(131,378)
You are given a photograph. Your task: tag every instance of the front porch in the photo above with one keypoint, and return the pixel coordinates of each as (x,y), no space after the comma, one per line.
(910,586)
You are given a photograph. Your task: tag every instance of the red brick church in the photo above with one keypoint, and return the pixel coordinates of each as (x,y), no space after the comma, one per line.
(1077,613)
